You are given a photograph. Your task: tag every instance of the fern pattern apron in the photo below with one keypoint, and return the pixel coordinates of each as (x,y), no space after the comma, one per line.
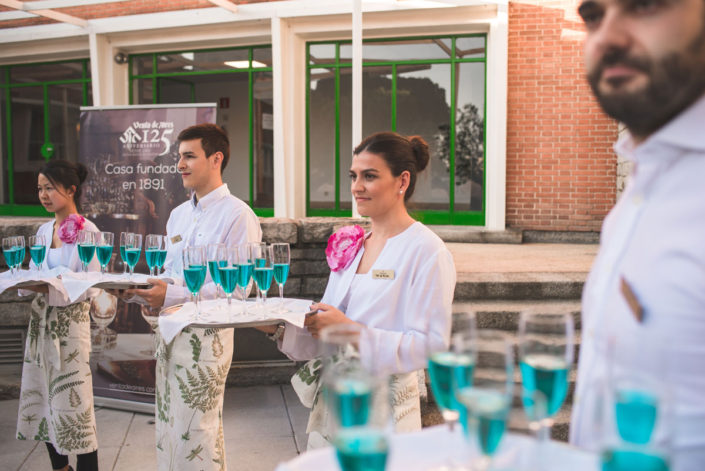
(56,399)
(190,383)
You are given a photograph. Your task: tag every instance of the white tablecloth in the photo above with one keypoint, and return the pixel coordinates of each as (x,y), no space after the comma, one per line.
(423,450)
(217,313)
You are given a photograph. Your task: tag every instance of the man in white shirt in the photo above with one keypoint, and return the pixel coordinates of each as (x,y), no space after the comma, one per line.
(192,369)
(646,292)
(211,215)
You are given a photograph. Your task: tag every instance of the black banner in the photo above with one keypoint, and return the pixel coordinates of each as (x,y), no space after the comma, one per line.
(132,186)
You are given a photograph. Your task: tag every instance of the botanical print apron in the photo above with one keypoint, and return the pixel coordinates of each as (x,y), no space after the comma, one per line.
(56,400)
(191,374)
(403,392)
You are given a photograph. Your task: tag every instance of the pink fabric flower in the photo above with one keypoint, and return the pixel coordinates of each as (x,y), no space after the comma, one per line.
(69,227)
(343,245)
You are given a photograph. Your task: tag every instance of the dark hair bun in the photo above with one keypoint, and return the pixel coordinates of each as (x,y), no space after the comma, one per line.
(420,148)
(81,172)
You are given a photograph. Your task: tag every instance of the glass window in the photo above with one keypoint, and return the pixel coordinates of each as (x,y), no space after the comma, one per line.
(194,61)
(4,197)
(426,117)
(321,142)
(27,109)
(176,90)
(321,54)
(262,57)
(470,137)
(263,127)
(408,49)
(472,47)
(242,90)
(35,73)
(413,86)
(142,65)
(142,91)
(41,123)
(65,101)
(376,100)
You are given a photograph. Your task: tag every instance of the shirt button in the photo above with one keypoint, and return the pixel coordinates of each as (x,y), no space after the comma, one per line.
(637,199)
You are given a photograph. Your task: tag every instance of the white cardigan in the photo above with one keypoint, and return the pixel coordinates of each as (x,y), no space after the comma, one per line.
(69,259)
(402,315)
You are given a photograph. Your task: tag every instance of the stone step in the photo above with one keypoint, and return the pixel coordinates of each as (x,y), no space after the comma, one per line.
(504,315)
(519,286)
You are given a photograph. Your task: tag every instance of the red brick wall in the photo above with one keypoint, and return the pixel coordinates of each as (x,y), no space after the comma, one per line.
(561,170)
(132,7)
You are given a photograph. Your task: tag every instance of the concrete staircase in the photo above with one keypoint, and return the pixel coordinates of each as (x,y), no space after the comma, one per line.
(497,299)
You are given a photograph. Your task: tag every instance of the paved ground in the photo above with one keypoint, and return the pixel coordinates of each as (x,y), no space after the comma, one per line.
(266,424)
(263,426)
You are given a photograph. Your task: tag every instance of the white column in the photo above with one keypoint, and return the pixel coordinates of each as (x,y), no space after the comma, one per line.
(289,74)
(496,152)
(109,80)
(356,81)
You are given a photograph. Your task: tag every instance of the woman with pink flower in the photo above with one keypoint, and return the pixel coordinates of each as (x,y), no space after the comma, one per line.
(56,402)
(397,280)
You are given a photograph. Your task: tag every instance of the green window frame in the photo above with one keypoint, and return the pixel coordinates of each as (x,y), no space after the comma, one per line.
(428,216)
(157,77)
(6,86)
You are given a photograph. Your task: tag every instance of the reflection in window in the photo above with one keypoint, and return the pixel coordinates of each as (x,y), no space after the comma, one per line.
(44,110)
(321,143)
(238,81)
(431,87)
(423,107)
(410,49)
(470,137)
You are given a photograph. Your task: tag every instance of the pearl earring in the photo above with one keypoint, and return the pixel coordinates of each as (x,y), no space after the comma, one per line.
(401,191)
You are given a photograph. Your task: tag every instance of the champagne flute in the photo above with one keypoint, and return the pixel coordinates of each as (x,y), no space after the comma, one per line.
(37,250)
(194,259)
(636,406)
(133,247)
(20,246)
(257,250)
(10,253)
(358,401)
(280,262)
(488,400)
(161,259)
(151,316)
(545,358)
(154,245)
(103,309)
(452,368)
(263,275)
(246,265)
(86,247)
(216,254)
(124,237)
(104,249)
(228,274)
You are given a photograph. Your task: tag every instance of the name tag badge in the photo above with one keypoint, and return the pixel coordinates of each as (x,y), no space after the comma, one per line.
(176,239)
(383,274)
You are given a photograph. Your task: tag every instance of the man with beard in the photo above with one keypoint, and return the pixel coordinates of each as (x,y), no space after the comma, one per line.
(644,301)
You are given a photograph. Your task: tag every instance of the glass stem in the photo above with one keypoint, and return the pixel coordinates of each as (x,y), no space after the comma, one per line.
(281,295)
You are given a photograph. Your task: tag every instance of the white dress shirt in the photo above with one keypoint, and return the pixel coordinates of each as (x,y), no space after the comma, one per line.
(654,239)
(218,217)
(400,314)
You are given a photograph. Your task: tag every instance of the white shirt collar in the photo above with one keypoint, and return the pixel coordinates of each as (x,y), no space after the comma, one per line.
(684,132)
(212,197)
